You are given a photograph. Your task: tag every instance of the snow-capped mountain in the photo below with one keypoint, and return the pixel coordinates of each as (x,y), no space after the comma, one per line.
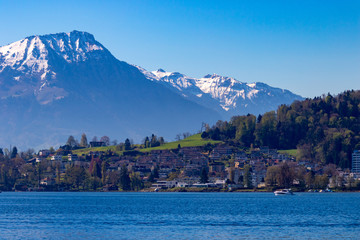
(63,84)
(224,94)
(55,85)
(40,57)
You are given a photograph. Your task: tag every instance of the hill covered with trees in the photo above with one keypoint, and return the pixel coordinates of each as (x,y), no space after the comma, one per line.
(323,129)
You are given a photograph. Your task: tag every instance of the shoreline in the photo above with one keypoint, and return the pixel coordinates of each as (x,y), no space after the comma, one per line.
(181,191)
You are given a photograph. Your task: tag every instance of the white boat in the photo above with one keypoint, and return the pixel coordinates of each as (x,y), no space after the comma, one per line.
(284,192)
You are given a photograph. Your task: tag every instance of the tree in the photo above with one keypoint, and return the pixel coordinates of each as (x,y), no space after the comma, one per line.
(71,142)
(178,137)
(57,174)
(136,183)
(103,172)
(75,176)
(95,169)
(186,135)
(127,144)
(51,149)
(156,172)
(146,142)
(83,141)
(125,179)
(286,175)
(14,152)
(204,176)
(310,179)
(272,173)
(106,140)
(247,176)
(321,181)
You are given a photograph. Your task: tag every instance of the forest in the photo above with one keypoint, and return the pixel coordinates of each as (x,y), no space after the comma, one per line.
(323,129)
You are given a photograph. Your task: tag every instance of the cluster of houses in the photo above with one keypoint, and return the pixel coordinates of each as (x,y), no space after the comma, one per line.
(182,167)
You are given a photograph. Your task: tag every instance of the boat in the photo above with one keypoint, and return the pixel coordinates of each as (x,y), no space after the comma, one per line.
(284,192)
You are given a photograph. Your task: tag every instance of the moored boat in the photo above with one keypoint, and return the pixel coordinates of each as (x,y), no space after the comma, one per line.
(284,192)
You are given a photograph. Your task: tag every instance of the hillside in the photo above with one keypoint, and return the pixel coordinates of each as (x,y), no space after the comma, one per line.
(324,129)
(192,141)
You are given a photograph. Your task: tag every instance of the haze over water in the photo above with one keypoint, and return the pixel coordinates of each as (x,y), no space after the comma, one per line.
(179,216)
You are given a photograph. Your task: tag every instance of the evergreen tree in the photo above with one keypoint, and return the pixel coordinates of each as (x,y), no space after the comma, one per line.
(247,176)
(14,152)
(204,176)
(151,177)
(57,175)
(103,172)
(125,182)
(96,171)
(127,144)
(156,172)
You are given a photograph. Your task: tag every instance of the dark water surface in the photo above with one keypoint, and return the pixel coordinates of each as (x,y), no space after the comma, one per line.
(179,216)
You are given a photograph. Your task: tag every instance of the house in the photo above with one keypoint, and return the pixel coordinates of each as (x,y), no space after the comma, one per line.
(182,184)
(97,144)
(73,157)
(220,183)
(165,184)
(47,181)
(39,159)
(356,162)
(44,153)
(56,157)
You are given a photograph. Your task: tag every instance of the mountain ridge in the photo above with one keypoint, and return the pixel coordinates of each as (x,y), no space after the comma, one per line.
(56,85)
(226,92)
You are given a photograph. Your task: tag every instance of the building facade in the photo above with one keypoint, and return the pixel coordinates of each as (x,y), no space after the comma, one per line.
(356,162)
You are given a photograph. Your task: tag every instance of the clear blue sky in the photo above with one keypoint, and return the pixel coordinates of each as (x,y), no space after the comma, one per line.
(308,47)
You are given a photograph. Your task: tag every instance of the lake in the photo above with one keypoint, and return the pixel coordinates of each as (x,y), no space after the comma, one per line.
(179,216)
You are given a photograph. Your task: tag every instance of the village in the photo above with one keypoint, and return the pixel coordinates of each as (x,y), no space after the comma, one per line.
(225,167)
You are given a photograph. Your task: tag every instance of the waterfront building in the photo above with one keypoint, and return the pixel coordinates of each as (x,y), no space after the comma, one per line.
(356,162)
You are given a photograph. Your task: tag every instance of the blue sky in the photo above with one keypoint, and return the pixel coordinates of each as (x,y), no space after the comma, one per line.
(308,47)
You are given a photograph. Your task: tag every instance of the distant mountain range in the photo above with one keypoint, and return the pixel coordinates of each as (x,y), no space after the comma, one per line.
(57,85)
(226,95)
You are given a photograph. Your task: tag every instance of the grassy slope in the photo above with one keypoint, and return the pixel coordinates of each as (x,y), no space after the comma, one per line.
(192,141)
(291,152)
(99,149)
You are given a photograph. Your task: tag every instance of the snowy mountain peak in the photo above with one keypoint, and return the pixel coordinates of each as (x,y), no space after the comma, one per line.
(214,75)
(30,66)
(227,93)
(32,54)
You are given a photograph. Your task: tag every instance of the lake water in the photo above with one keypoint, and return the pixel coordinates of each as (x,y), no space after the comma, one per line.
(179,216)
